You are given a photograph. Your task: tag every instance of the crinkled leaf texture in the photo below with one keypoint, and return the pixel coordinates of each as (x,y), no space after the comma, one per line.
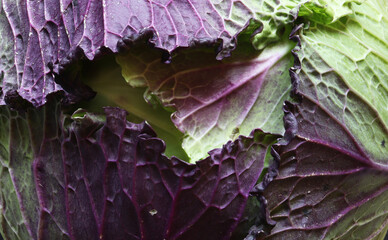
(40,37)
(216,101)
(95,178)
(273,15)
(326,189)
(333,173)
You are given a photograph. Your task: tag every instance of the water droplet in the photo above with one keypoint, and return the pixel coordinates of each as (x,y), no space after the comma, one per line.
(153,212)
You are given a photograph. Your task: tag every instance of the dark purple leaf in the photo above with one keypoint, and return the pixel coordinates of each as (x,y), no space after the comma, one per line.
(39,38)
(90,178)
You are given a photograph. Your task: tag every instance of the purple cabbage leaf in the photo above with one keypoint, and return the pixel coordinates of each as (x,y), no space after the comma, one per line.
(69,174)
(72,178)
(102,177)
(41,38)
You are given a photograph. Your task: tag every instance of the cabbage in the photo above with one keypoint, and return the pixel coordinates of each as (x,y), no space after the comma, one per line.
(216,119)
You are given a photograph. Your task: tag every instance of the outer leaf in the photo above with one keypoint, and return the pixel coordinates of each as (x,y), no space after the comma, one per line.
(326,189)
(216,101)
(39,38)
(347,65)
(91,178)
(333,175)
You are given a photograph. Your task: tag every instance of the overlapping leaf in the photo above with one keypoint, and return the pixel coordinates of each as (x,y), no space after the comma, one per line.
(91,178)
(326,188)
(40,37)
(216,101)
(333,173)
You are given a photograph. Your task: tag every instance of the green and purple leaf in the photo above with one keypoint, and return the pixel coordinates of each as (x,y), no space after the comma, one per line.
(332,179)
(215,100)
